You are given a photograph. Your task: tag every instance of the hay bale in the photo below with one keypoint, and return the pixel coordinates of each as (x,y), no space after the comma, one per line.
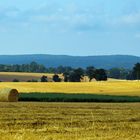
(9,95)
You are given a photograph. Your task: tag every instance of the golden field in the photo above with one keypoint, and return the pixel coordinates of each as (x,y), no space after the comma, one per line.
(111,87)
(69,121)
(131,88)
(23,76)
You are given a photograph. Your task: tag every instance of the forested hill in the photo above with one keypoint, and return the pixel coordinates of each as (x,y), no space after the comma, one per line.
(106,61)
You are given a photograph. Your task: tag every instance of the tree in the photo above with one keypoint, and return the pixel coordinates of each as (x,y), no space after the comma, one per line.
(16,68)
(51,70)
(41,68)
(114,73)
(124,73)
(118,73)
(100,75)
(76,75)
(44,78)
(56,78)
(66,76)
(130,75)
(60,69)
(136,71)
(90,71)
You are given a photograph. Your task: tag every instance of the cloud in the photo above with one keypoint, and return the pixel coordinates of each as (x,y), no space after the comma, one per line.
(126,22)
(71,17)
(9,15)
(131,19)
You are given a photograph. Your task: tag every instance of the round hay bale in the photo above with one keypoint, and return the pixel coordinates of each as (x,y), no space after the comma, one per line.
(9,95)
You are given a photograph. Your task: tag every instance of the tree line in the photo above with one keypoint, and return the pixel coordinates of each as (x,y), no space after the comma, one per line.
(32,67)
(121,73)
(78,74)
(75,74)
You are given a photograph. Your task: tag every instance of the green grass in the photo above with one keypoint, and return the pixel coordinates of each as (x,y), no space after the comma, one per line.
(62,97)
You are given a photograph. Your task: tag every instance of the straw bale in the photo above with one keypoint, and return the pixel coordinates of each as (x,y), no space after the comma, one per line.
(9,95)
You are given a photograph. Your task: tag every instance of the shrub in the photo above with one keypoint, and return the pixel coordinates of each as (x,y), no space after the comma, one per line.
(15,80)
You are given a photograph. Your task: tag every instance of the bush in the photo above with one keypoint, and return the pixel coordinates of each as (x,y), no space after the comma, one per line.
(15,80)
(56,78)
(44,78)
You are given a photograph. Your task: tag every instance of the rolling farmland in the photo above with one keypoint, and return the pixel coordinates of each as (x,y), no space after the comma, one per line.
(66,121)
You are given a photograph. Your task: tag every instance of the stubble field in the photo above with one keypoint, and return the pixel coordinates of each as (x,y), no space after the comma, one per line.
(67,121)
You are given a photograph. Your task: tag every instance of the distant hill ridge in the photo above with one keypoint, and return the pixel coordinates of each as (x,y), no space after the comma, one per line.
(102,61)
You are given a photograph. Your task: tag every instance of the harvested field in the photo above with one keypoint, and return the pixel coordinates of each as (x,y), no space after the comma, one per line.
(67,121)
(22,76)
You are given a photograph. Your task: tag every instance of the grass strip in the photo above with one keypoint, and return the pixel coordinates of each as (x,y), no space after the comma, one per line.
(62,97)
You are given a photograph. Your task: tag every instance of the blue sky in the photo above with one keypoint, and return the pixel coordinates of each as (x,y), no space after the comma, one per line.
(71,27)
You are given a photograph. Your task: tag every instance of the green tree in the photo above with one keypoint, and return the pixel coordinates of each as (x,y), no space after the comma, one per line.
(44,78)
(66,76)
(136,71)
(118,73)
(90,71)
(56,78)
(100,75)
(114,73)
(76,75)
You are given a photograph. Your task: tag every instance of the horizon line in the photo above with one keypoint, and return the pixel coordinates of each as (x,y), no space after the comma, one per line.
(70,55)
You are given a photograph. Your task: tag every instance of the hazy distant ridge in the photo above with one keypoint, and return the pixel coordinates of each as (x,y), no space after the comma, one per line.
(105,61)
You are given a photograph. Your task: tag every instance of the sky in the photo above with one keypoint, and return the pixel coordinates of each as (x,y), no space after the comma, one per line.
(70,27)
